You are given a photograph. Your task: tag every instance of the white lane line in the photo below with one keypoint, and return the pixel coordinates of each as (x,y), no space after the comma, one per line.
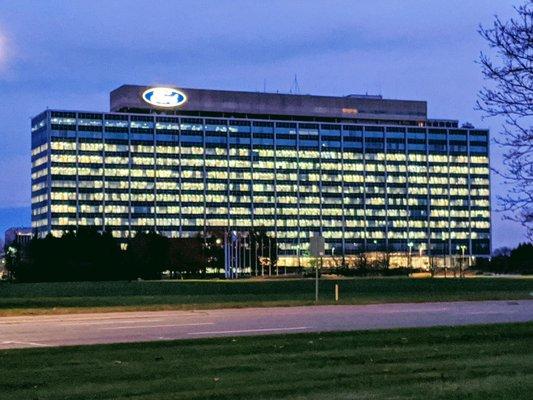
(26,343)
(150,314)
(67,318)
(157,326)
(133,321)
(294,328)
(405,311)
(488,312)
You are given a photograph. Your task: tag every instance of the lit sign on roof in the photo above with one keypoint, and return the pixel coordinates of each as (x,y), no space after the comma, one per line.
(164,97)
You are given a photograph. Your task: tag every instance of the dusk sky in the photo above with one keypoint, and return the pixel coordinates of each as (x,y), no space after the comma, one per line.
(71,54)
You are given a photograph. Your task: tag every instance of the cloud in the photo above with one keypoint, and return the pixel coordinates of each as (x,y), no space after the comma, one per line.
(80,50)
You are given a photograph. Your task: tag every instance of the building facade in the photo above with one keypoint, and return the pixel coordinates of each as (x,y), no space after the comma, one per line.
(17,235)
(15,249)
(368,174)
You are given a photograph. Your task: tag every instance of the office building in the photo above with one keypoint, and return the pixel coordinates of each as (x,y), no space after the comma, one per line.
(367,173)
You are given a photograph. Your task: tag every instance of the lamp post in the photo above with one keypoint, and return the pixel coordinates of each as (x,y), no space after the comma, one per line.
(218,242)
(431,258)
(462,248)
(245,250)
(410,245)
(298,256)
(420,250)
(356,254)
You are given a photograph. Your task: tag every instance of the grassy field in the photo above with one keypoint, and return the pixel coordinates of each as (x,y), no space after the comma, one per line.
(476,362)
(90,296)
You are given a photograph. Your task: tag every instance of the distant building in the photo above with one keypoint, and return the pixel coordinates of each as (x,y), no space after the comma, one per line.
(16,241)
(20,236)
(368,174)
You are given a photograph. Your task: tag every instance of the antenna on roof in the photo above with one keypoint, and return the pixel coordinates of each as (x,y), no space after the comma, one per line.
(295,87)
(264,85)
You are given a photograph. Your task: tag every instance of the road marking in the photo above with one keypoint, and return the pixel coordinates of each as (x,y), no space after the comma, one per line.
(157,326)
(26,343)
(295,328)
(133,321)
(404,311)
(488,312)
(67,318)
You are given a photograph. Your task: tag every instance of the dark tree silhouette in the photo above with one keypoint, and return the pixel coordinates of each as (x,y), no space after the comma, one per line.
(187,256)
(147,255)
(84,254)
(509,94)
(516,261)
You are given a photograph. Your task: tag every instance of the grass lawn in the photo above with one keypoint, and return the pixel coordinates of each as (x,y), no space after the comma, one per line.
(36,298)
(475,362)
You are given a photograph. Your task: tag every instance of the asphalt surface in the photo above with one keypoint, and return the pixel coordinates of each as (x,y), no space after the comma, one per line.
(77,329)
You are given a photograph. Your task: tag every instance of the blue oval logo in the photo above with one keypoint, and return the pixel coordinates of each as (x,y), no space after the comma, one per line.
(164,97)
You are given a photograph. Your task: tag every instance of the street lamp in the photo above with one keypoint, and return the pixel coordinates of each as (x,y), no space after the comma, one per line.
(410,245)
(298,256)
(462,248)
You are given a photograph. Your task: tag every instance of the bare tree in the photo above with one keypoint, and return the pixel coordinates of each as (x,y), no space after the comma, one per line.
(510,95)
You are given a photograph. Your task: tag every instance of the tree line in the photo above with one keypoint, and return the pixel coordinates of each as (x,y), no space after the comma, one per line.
(87,254)
(507,261)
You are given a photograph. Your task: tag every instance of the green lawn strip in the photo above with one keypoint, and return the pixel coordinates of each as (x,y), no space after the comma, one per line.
(115,296)
(474,362)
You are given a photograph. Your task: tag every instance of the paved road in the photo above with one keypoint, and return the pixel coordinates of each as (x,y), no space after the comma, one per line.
(74,329)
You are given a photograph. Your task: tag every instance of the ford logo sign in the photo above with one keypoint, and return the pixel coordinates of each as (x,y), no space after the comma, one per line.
(164,97)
